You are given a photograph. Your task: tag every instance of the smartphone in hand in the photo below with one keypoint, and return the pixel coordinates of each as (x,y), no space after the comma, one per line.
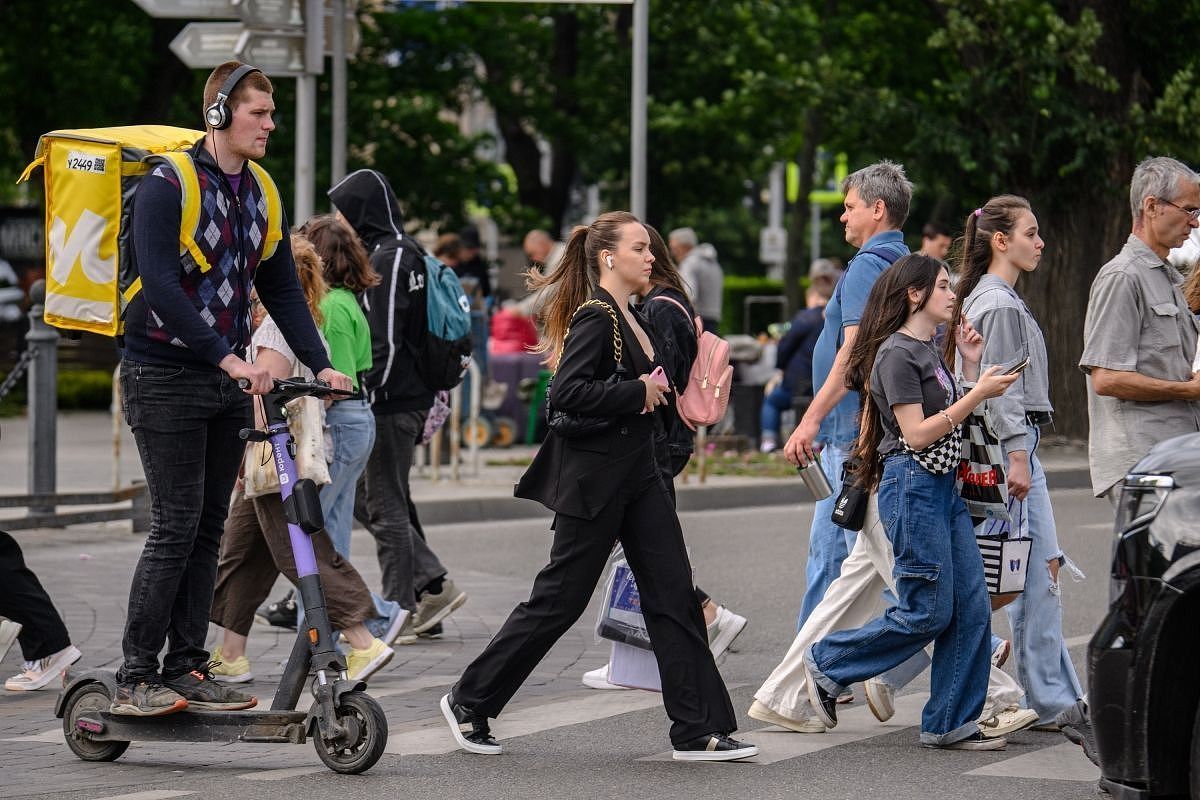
(659,376)
(1018,367)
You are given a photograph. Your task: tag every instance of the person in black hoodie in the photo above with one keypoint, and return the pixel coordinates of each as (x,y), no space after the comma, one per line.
(395,311)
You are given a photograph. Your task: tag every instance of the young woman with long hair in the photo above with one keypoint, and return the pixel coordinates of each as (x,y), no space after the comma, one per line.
(256,546)
(911,408)
(604,485)
(1000,244)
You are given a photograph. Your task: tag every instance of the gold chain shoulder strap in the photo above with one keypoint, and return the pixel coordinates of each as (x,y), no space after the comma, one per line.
(618,344)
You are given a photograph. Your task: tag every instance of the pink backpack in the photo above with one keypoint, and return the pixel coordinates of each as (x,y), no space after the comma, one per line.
(704,400)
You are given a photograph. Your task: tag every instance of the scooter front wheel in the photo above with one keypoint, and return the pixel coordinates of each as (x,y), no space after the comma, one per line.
(88,701)
(365,737)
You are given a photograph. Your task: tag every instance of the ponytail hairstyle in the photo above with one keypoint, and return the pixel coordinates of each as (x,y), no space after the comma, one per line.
(345,258)
(311,273)
(577,272)
(664,271)
(998,215)
(886,310)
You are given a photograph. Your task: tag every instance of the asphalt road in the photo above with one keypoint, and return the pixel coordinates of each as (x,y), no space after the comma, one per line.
(563,741)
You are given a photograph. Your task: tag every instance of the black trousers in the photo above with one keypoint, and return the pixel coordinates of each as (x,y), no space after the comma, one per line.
(643,517)
(23,600)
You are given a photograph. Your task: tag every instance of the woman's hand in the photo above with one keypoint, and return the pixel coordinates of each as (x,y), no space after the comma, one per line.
(1018,476)
(655,394)
(970,344)
(993,382)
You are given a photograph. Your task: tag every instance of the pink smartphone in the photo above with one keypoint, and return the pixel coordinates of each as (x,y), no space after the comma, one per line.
(659,377)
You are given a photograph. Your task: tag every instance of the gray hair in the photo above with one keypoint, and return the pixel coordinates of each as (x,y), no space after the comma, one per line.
(884,181)
(1157,176)
(683,236)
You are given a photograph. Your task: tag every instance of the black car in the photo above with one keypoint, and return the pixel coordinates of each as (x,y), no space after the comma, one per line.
(1144,660)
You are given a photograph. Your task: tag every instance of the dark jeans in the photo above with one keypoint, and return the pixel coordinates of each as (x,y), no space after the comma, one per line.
(384,506)
(643,517)
(185,422)
(24,600)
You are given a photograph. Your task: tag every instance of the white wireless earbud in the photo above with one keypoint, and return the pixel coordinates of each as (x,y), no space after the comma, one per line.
(610,266)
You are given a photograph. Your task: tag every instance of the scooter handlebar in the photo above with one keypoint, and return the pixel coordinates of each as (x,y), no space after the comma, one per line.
(298,387)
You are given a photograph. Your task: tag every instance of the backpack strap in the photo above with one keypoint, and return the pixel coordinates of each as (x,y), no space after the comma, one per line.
(274,209)
(699,325)
(189,187)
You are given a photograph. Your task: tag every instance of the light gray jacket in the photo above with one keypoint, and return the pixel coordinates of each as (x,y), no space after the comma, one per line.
(1010,333)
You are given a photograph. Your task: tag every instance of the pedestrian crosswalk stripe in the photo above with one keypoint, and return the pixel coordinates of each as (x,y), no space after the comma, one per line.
(434,739)
(854,724)
(52,736)
(413,685)
(280,774)
(1060,762)
(154,794)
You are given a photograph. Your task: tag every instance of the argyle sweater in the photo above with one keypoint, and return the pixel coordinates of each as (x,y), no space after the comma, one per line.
(187,317)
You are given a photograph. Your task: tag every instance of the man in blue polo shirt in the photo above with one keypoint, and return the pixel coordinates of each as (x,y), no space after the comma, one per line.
(876,204)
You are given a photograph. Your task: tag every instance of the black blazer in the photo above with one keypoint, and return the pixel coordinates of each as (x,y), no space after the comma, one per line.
(579,476)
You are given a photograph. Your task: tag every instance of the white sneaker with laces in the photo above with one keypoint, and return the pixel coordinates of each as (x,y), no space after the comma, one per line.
(1008,721)
(726,627)
(881,699)
(764,713)
(598,679)
(37,674)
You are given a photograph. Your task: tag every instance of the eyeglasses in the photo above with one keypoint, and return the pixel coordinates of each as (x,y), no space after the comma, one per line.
(1194,213)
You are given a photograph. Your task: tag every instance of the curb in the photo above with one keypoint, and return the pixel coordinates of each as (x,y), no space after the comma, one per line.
(693,497)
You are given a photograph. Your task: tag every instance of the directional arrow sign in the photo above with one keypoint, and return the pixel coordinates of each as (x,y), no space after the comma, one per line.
(277,14)
(274,52)
(203,45)
(190,9)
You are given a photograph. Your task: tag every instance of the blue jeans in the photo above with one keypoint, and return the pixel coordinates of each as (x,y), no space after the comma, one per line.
(1043,664)
(185,422)
(942,599)
(774,404)
(828,545)
(352,428)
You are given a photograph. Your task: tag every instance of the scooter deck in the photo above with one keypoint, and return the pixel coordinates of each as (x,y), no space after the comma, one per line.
(199,726)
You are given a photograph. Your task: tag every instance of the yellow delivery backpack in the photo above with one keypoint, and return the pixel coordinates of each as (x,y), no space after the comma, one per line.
(90,177)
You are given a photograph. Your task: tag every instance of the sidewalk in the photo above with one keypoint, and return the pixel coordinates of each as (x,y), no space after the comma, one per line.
(86,462)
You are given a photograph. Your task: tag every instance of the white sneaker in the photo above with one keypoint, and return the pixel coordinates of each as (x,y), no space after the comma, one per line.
(598,679)
(763,713)
(9,631)
(38,673)
(1008,721)
(881,699)
(724,629)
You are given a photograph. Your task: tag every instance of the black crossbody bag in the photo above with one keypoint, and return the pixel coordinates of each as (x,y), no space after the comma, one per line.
(850,508)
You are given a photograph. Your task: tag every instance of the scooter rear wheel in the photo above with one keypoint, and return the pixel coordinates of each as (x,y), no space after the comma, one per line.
(367,734)
(88,701)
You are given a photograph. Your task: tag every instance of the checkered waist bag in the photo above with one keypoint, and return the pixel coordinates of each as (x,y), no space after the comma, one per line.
(941,457)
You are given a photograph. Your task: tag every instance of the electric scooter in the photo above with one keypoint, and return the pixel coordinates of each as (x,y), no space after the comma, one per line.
(348,727)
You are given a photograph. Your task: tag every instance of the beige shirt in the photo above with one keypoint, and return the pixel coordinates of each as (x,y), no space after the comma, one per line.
(1137,321)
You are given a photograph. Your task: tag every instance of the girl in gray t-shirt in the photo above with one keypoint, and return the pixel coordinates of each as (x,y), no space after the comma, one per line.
(939,580)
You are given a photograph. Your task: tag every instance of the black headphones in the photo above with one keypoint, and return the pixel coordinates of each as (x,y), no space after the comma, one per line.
(217,116)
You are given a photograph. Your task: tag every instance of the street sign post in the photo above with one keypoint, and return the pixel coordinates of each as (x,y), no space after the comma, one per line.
(190,9)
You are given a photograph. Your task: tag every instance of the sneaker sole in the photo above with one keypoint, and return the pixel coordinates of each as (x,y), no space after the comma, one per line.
(201,705)
(393,632)
(762,713)
(123,710)
(599,683)
(726,636)
(462,741)
(245,677)
(374,665)
(54,669)
(877,702)
(715,755)
(987,744)
(442,613)
(811,685)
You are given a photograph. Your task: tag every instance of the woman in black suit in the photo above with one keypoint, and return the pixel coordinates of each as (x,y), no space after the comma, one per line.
(604,487)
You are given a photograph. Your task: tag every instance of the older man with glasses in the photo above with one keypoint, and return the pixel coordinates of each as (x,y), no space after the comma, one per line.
(1139,337)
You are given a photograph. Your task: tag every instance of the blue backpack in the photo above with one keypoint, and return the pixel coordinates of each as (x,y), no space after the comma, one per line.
(445,351)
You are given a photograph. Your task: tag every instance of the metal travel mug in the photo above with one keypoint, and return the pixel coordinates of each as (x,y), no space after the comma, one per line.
(814,478)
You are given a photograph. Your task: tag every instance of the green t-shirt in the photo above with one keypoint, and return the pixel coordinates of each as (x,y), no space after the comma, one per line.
(345,329)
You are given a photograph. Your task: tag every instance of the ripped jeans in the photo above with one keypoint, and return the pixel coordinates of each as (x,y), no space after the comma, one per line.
(1043,664)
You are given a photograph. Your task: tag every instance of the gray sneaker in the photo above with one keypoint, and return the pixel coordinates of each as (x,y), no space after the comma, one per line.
(205,694)
(433,608)
(146,700)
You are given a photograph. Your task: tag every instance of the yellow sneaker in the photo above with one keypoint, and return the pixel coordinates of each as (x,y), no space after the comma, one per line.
(362,664)
(235,671)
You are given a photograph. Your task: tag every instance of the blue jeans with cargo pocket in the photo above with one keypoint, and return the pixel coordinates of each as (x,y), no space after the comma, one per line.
(942,598)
